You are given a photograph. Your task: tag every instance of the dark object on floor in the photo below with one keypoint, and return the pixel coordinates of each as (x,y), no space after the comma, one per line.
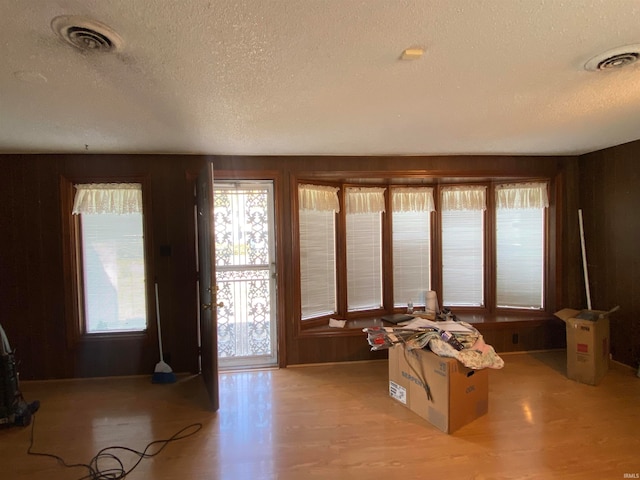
(14,410)
(396,318)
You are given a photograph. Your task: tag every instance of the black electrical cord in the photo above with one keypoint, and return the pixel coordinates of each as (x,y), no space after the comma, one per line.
(95,468)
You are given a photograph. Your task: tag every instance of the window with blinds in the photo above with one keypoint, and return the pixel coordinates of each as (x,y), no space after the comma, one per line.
(463,235)
(411,244)
(411,257)
(318,205)
(317,263)
(113,273)
(364,261)
(509,273)
(520,240)
(111,255)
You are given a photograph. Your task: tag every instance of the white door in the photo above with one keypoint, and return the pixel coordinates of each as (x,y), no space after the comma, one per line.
(245,274)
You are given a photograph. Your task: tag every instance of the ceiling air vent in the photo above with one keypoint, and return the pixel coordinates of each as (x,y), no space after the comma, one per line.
(86,34)
(616,58)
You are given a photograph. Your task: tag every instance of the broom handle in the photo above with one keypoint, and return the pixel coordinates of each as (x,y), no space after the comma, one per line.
(584,260)
(158,320)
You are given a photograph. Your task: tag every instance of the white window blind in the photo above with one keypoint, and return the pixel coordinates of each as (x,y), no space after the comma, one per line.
(364,261)
(112,250)
(520,239)
(318,206)
(364,207)
(463,245)
(113,273)
(317,263)
(411,249)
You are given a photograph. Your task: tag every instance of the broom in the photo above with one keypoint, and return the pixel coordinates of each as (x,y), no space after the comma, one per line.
(162,372)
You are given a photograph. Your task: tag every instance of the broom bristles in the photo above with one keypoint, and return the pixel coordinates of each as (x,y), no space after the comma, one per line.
(162,377)
(162,367)
(163,373)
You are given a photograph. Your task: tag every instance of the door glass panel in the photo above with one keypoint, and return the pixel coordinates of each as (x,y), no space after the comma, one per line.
(243,226)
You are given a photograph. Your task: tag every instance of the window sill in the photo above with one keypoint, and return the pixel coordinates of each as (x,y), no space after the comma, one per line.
(483,322)
(140,336)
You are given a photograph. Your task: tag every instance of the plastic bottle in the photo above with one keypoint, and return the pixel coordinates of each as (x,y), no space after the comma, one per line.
(451,340)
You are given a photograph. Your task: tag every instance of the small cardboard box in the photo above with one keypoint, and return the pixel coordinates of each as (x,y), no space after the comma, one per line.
(587,344)
(459,395)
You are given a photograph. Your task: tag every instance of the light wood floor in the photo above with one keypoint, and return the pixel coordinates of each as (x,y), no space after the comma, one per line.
(337,422)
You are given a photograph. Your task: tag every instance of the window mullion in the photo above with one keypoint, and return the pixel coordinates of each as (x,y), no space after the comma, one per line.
(490,250)
(341,256)
(387,257)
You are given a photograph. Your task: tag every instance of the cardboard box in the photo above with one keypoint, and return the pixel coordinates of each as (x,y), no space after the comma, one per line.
(459,395)
(587,344)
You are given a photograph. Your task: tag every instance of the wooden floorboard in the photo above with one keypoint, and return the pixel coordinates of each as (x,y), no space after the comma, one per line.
(336,422)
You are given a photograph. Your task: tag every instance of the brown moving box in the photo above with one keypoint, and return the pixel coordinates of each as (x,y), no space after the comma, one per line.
(459,394)
(587,344)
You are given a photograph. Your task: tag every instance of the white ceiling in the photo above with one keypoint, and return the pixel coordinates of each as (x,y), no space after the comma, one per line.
(313,77)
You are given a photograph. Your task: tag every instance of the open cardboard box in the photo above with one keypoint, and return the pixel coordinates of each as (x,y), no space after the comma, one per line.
(587,344)
(459,395)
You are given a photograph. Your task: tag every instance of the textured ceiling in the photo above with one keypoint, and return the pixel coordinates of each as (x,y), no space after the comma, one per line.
(313,77)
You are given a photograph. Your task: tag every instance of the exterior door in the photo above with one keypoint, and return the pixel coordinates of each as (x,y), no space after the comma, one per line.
(206,285)
(245,273)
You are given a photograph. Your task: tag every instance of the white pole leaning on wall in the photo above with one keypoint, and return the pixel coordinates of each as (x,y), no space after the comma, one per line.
(584,260)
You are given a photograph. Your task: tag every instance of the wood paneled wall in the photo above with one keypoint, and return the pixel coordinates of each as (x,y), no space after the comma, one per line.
(610,203)
(32,286)
(303,349)
(32,289)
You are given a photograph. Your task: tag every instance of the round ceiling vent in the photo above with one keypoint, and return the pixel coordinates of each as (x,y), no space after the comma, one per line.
(86,34)
(615,58)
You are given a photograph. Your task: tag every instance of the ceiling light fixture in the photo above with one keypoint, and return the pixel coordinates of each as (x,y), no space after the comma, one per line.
(413,53)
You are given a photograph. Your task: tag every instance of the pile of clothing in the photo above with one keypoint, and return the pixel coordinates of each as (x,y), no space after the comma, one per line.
(449,338)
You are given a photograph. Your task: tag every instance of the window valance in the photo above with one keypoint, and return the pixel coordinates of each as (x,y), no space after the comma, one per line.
(118,198)
(412,199)
(522,195)
(321,198)
(464,198)
(364,199)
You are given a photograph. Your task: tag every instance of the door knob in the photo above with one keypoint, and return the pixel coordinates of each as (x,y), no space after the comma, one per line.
(207,306)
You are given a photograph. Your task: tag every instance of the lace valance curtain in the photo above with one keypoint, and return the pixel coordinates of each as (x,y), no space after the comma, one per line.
(412,199)
(522,195)
(364,200)
(321,198)
(464,198)
(118,198)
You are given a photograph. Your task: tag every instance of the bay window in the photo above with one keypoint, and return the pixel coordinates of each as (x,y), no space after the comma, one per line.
(481,247)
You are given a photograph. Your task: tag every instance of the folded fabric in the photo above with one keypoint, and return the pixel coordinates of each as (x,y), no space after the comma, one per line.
(479,356)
